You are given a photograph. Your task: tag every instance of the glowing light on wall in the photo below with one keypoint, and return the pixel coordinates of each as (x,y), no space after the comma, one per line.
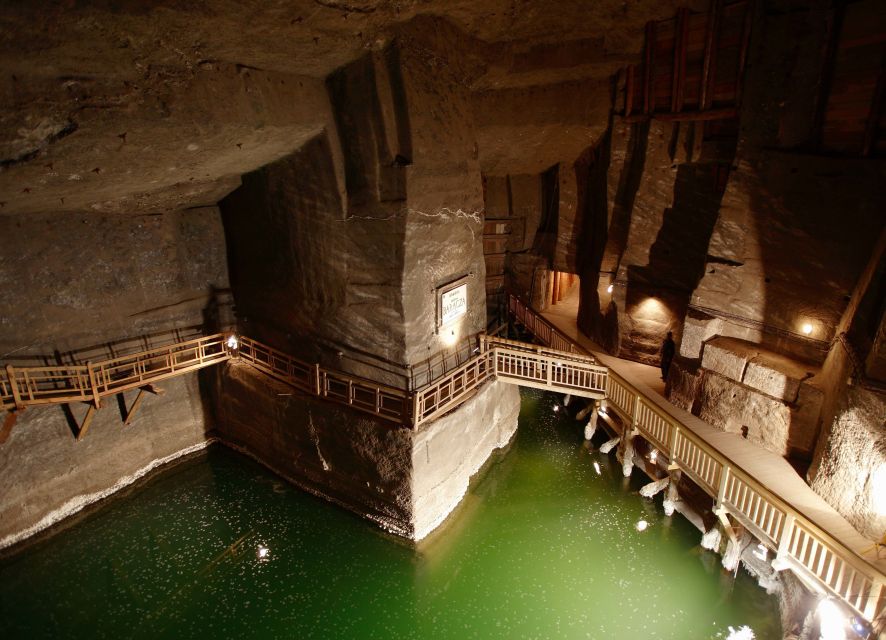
(641,525)
(807,328)
(653,309)
(610,288)
(262,553)
(653,455)
(233,342)
(597,468)
(449,336)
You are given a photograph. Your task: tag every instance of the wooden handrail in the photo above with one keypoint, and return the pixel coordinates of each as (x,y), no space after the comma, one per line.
(813,553)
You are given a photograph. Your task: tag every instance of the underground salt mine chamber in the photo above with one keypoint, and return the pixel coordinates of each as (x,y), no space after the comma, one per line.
(443,320)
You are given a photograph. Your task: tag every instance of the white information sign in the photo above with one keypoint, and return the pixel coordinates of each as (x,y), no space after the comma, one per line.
(453,304)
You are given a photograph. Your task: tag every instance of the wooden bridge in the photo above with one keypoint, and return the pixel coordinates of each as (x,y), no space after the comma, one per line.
(508,360)
(805,534)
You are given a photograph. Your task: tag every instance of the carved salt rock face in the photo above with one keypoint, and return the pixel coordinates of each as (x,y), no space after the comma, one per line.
(852,476)
(718,357)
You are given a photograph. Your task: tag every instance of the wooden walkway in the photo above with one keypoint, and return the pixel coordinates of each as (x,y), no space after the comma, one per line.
(496,358)
(754,487)
(757,488)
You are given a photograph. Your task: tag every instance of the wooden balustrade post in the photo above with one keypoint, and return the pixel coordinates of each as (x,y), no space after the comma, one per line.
(93,384)
(415,412)
(877,588)
(13,386)
(672,441)
(317,379)
(721,489)
(784,541)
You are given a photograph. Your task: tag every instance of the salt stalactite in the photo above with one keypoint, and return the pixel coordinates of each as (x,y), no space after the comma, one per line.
(670,501)
(627,462)
(732,555)
(609,445)
(591,426)
(567,400)
(711,539)
(649,490)
(316,440)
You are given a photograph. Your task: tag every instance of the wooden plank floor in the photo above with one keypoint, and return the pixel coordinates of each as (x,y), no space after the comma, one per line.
(768,468)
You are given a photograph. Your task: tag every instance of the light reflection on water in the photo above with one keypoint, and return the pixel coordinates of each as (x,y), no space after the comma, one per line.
(542,547)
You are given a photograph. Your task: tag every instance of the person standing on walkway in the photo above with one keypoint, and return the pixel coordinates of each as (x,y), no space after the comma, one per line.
(668,349)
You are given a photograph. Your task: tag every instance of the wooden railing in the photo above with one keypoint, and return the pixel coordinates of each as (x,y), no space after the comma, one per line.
(515,362)
(808,550)
(364,395)
(533,366)
(544,331)
(448,392)
(25,386)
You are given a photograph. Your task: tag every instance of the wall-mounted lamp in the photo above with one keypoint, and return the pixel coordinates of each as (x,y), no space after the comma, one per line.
(610,288)
(448,336)
(232,342)
(807,328)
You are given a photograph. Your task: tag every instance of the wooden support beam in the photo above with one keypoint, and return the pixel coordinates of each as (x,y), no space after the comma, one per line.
(629,90)
(828,62)
(749,7)
(727,525)
(13,385)
(555,292)
(93,384)
(678,76)
(87,420)
(875,114)
(648,64)
(710,55)
(135,403)
(687,116)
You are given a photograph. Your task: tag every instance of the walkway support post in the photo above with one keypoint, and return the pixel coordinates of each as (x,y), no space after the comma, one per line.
(13,385)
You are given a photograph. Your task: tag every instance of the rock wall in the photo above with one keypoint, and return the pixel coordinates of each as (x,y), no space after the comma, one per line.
(446,453)
(79,279)
(50,475)
(90,286)
(851,474)
(360,462)
(353,274)
(406,481)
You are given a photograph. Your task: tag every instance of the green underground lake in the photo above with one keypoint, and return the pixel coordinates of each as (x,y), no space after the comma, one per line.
(543,546)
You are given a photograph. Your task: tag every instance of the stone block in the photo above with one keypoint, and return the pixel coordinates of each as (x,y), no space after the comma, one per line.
(720,356)
(732,407)
(765,378)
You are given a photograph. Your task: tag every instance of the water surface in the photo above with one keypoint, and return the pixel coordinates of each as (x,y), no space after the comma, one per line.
(542,547)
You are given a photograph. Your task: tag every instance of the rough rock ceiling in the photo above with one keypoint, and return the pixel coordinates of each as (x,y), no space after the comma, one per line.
(133,105)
